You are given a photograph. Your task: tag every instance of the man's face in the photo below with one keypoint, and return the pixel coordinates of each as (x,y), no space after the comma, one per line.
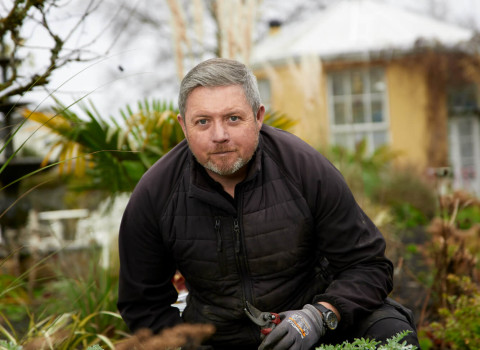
(221,129)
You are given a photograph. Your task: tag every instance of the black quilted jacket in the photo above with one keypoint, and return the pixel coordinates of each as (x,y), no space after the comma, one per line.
(293,235)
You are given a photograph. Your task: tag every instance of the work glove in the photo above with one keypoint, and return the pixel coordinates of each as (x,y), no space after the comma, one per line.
(299,330)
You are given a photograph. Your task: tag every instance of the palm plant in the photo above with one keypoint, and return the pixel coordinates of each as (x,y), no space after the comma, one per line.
(112,155)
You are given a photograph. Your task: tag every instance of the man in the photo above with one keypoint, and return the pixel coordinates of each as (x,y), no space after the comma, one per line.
(249,213)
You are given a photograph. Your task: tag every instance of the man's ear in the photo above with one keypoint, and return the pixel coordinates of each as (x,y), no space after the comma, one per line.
(181,121)
(260,115)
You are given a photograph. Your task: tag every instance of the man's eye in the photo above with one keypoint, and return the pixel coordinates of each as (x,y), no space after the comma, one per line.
(233,118)
(202,121)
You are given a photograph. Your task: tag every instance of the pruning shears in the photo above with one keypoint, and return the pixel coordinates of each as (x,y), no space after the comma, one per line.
(266,320)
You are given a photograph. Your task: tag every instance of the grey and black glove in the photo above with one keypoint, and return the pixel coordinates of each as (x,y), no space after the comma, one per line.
(299,330)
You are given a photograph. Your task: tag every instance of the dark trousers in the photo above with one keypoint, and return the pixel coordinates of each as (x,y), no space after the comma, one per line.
(384,323)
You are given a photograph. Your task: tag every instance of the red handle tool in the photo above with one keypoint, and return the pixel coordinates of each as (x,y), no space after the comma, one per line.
(266,320)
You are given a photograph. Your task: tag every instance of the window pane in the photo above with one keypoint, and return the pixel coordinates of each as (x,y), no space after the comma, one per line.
(466,148)
(376,81)
(337,84)
(465,131)
(467,162)
(341,139)
(462,98)
(468,172)
(357,82)
(379,139)
(465,127)
(358,111)
(377,112)
(340,113)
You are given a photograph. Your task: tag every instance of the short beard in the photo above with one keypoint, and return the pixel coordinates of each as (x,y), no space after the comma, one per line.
(224,171)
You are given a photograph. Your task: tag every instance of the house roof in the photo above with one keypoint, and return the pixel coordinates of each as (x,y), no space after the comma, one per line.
(357,28)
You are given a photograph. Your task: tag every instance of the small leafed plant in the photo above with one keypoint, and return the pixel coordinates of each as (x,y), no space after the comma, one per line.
(453,250)
(459,327)
(393,343)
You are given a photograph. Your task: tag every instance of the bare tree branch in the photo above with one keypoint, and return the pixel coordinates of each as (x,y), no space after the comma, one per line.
(13,45)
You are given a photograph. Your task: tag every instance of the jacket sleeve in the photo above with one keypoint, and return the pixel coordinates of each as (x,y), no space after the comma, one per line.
(352,244)
(146,268)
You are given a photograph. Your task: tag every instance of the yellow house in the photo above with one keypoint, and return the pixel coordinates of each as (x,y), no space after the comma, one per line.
(363,69)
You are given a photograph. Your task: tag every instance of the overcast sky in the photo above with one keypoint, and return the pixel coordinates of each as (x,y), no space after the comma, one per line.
(130,72)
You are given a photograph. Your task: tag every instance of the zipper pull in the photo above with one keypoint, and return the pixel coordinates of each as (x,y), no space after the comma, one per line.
(236,230)
(219,236)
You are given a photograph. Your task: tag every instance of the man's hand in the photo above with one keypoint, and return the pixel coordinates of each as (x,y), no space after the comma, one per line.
(299,330)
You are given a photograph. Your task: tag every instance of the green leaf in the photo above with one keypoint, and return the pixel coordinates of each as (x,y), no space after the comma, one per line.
(134,169)
(95,347)
(393,343)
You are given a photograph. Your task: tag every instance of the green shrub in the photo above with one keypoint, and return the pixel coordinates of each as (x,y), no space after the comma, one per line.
(459,327)
(370,344)
(412,199)
(467,217)
(362,170)
(452,251)
(407,216)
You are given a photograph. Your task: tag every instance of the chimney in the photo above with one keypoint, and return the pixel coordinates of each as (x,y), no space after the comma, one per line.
(274,26)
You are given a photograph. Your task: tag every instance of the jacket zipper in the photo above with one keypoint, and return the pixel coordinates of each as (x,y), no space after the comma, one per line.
(221,255)
(240,255)
(219,236)
(236,230)
(241,262)
(241,259)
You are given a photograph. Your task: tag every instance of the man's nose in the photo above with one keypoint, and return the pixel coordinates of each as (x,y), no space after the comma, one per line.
(220,133)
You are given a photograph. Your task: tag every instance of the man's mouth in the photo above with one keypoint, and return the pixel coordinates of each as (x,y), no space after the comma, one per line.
(222,152)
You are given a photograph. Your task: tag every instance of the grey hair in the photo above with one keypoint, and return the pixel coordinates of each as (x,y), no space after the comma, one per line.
(220,72)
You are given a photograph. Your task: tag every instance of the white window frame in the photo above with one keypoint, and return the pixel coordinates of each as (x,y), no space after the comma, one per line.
(455,154)
(354,129)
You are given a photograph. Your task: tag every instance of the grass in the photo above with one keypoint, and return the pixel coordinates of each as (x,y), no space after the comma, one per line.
(72,310)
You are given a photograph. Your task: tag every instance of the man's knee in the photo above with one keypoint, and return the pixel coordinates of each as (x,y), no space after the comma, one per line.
(388,321)
(388,327)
